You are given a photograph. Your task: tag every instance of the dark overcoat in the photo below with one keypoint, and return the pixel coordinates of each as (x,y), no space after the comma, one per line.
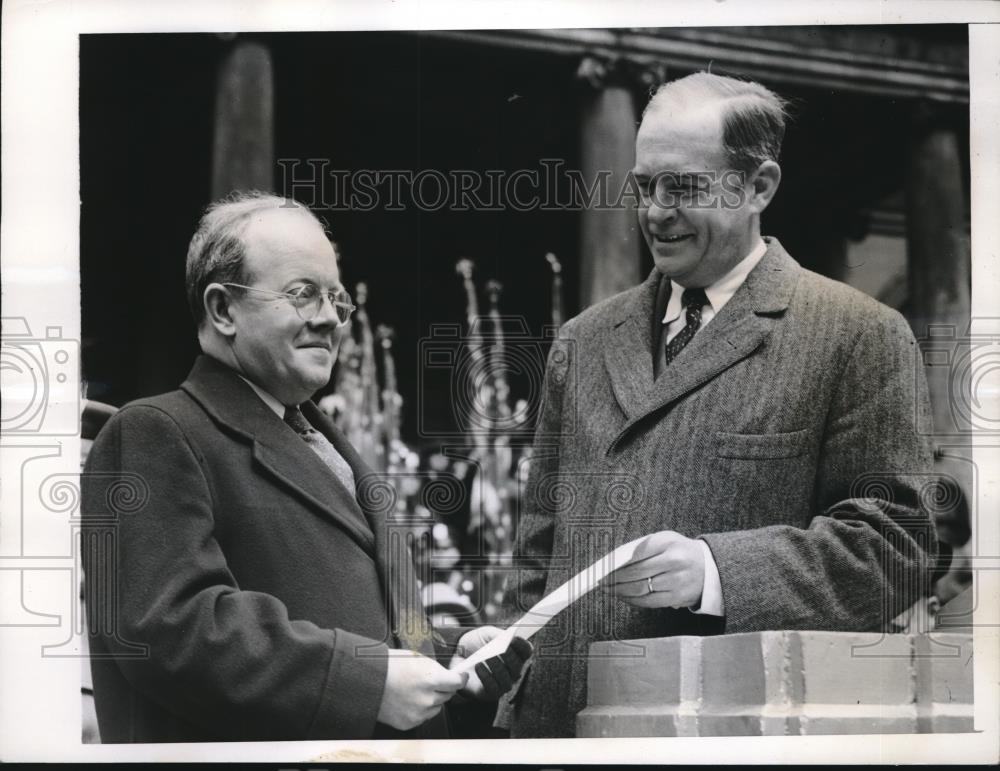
(790,434)
(236,590)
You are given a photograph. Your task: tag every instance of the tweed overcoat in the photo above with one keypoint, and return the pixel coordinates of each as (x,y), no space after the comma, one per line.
(235,590)
(790,435)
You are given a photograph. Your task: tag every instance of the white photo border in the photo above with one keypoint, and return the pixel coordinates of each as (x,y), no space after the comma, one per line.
(40,247)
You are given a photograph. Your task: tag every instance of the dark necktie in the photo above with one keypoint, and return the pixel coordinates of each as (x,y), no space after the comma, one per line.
(692,300)
(322,447)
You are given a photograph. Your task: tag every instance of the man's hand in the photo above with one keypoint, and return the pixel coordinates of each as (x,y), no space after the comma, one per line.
(415,689)
(666,571)
(497,675)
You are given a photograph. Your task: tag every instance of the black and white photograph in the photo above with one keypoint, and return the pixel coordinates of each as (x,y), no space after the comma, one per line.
(372,382)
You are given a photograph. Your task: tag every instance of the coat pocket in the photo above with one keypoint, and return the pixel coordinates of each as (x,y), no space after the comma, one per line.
(754,446)
(761,479)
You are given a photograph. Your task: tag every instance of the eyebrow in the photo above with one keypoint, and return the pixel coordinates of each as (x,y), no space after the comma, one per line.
(684,177)
(336,287)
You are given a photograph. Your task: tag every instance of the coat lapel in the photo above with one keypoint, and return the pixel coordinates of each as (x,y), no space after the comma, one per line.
(283,456)
(627,352)
(735,333)
(394,561)
(290,462)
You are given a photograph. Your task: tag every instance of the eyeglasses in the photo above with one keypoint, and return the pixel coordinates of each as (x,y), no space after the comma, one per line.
(308,300)
(700,190)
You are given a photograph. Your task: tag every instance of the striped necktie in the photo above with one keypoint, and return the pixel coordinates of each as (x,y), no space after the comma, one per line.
(322,447)
(693,300)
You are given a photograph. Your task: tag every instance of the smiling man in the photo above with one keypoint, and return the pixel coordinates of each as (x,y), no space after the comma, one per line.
(764,421)
(242,585)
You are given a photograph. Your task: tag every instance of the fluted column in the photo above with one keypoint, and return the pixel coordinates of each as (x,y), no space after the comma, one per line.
(609,235)
(937,242)
(243,147)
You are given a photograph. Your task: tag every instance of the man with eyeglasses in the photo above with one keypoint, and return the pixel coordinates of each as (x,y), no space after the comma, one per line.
(768,424)
(255,589)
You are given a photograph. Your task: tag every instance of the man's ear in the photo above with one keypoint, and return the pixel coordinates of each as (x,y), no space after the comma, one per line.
(218,309)
(764,185)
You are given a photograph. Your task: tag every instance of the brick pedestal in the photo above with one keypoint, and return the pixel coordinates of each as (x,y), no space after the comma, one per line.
(779,683)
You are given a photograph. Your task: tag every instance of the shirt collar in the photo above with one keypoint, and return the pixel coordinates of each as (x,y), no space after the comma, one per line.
(276,406)
(721,291)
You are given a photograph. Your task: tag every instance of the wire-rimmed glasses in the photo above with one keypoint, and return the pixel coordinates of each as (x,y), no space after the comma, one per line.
(308,300)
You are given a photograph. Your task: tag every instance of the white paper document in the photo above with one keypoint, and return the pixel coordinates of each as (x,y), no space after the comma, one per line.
(553,603)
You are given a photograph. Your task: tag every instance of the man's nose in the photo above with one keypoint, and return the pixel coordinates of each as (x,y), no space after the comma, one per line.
(660,212)
(326,316)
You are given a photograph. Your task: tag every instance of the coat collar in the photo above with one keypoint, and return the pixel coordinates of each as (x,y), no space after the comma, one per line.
(233,405)
(738,330)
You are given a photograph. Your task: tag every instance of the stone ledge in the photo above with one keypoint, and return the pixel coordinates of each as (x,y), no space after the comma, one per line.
(780,683)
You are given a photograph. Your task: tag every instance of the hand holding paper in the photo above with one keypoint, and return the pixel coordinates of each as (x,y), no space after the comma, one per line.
(416,687)
(550,605)
(667,570)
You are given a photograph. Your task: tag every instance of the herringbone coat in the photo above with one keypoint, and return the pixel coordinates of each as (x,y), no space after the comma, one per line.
(789,434)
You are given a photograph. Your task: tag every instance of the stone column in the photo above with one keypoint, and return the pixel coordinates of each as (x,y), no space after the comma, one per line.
(938,254)
(609,236)
(243,148)
(940,284)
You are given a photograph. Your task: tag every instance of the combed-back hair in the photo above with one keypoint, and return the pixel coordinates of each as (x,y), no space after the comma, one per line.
(216,251)
(753,117)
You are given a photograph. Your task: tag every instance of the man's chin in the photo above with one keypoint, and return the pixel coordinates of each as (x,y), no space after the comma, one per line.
(315,380)
(672,266)
(315,373)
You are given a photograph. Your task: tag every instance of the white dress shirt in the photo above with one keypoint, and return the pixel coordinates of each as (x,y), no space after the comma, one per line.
(674,320)
(270,401)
